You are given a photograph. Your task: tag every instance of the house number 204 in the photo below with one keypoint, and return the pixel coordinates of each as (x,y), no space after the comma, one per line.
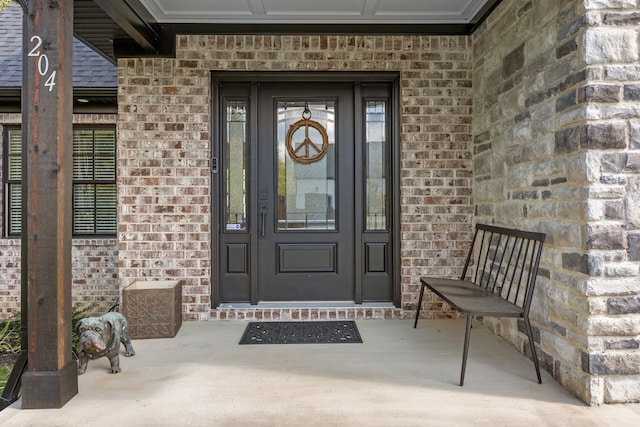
(43,63)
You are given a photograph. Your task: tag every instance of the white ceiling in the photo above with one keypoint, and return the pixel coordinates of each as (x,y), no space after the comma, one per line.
(315,11)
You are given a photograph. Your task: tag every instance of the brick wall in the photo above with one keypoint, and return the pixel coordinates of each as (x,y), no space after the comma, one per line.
(94,261)
(163,177)
(556,150)
(163,153)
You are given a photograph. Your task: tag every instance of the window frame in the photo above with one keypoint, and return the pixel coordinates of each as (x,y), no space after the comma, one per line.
(7,183)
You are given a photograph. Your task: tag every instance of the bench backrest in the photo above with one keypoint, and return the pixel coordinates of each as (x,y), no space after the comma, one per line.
(505,262)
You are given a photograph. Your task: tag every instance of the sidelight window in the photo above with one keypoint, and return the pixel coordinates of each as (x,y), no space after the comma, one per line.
(376,147)
(235,152)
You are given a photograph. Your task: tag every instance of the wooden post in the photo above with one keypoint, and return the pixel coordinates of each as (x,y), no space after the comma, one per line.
(51,378)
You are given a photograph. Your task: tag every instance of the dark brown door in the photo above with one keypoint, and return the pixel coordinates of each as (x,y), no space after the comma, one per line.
(305,192)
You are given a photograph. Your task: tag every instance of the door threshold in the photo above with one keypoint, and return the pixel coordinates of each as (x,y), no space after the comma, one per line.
(306,304)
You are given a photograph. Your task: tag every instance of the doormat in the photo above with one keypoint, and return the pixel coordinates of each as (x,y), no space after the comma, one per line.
(321,332)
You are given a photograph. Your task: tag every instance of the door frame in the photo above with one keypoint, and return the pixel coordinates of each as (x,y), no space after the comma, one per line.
(217,182)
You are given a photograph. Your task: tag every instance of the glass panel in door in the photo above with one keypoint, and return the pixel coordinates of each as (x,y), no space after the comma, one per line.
(376,165)
(235,165)
(306,181)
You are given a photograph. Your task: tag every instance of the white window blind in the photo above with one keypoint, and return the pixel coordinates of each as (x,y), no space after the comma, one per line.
(94,187)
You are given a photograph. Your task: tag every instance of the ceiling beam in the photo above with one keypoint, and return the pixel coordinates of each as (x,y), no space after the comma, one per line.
(131,23)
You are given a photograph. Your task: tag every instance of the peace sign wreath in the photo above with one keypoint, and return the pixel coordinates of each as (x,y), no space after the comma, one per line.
(307,151)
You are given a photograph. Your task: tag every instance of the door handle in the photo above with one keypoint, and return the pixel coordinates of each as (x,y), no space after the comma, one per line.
(263,220)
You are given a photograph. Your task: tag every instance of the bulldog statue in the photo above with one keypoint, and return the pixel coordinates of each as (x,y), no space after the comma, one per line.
(101,336)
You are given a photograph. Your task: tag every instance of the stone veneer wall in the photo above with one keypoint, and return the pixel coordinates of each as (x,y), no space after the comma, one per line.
(94,261)
(163,154)
(556,149)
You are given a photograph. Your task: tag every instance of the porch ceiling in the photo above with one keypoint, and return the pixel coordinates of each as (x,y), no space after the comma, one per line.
(314,11)
(121,28)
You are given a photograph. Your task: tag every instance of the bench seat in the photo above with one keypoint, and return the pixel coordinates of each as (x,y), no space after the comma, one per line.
(468,298)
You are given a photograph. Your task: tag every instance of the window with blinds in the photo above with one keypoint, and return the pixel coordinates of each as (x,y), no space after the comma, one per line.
(13,177)
(94,182)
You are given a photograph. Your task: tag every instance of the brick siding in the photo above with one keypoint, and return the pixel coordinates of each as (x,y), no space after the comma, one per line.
(164,183)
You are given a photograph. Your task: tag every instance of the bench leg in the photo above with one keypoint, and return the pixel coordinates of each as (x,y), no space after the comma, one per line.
(534,355)
(465,352)
(415,323)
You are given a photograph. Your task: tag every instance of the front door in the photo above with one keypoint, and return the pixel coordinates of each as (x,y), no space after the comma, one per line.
(305,192)
(302,171)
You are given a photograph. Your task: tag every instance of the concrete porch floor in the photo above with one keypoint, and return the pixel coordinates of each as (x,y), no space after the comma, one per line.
(399,376)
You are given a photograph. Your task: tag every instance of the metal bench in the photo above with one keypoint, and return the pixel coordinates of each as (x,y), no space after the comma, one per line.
(498,279)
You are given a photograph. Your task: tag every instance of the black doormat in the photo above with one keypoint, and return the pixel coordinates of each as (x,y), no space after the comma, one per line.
(321,332)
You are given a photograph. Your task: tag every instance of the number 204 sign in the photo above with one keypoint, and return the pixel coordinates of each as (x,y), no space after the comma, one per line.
(43,63)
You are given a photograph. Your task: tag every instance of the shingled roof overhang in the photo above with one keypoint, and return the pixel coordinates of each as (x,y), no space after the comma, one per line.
(95,78)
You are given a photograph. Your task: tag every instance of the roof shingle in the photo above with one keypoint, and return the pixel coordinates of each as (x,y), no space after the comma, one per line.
(90,70)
